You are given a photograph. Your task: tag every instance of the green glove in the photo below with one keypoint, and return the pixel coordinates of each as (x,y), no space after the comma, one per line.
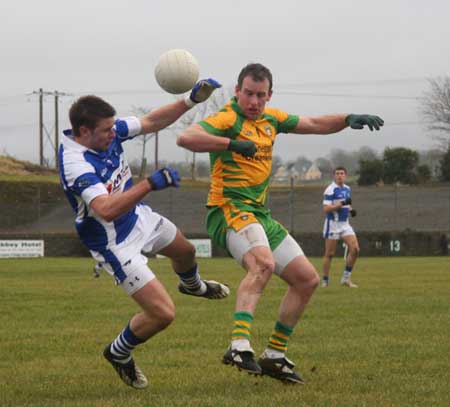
(357,121)
(246,148)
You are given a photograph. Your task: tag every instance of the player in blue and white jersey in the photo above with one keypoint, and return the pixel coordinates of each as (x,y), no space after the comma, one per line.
(116,227)
(337,203)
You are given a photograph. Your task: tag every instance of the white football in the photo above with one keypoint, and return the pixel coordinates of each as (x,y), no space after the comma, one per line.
(176,71)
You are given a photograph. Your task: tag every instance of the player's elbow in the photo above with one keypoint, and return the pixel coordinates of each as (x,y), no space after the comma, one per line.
(103,209)
(186,140)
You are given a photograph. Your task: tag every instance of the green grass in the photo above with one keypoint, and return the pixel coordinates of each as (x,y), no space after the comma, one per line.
(384,344)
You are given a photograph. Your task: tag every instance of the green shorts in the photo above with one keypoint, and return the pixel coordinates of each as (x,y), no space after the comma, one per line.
(236,215)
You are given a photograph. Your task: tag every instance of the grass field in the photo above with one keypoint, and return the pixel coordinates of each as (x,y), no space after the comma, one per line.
(384,344)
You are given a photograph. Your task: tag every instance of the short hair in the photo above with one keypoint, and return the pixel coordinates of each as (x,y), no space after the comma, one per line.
(87,111)
(340,168)
(258,72)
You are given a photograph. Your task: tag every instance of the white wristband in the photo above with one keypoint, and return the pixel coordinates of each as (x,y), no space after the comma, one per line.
(189,102)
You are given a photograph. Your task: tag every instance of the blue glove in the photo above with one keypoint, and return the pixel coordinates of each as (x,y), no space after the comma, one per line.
(358,121)
(201,91)
(163,178)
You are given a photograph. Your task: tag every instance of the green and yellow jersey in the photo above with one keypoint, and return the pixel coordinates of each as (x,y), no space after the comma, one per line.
(234,177)
(239,184)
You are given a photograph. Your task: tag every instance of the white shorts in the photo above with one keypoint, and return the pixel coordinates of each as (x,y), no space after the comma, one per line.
(125,261)
(253,235)
(336,230)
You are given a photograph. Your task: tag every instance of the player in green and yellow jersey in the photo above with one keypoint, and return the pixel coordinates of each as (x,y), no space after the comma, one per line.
(240,139)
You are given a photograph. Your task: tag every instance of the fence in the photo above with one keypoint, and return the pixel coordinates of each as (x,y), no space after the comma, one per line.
(43,208)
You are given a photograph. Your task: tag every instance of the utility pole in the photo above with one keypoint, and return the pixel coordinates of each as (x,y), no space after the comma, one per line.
(56,95)
(56,129)
(41,127)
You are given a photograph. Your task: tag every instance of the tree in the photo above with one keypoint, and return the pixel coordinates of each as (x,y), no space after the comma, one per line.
(200,111)
(325,166)
(370,171)
(400,165)
(445,166)
(366,153)
(302,164)
(435,108)
(139,111)
(347,159)
(423,173)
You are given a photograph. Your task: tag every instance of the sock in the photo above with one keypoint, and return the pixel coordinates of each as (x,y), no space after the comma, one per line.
(279,339)
(191,280)
(347,273)
(325,279)
(240,336)
(123,345)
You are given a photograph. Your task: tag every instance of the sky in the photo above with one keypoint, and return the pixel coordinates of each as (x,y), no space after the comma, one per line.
(326,56)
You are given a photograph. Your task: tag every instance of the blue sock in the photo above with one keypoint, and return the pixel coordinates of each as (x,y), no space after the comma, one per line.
(122,346)
(347,272)
(191,279)
(325,278)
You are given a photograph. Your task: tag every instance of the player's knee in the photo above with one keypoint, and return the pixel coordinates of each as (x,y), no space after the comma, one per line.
(164,315)
(330,254)
(355,251)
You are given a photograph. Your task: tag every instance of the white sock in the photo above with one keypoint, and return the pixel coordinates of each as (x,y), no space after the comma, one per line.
(273,353)
(241,344)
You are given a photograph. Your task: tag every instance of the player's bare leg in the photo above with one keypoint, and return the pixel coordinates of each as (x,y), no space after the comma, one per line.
(302,280)
(182,255)
(353,251)
(330,251)
(260,265)
(158,312)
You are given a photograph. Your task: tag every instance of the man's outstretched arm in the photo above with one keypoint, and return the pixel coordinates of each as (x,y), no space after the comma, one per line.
(164,116)
(334,123)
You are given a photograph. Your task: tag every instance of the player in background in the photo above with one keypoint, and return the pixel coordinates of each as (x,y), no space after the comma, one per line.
(337,201)
(240,140)
(116,226)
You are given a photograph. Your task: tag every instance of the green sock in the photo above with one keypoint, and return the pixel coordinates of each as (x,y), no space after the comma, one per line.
(242,324)
(280,337)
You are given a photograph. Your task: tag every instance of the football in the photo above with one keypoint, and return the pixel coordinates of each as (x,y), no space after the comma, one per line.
(177,71)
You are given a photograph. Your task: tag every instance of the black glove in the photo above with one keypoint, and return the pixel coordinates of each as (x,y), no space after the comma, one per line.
(358,121)
(347,201)
(353,213)
(246,148)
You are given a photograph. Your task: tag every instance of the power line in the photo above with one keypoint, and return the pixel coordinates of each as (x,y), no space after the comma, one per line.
(363,82)
(41,93)
(347,95)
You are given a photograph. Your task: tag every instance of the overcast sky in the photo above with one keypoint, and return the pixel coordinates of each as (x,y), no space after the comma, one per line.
(326,56)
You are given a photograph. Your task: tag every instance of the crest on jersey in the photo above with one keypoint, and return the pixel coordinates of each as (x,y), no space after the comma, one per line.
(268,130)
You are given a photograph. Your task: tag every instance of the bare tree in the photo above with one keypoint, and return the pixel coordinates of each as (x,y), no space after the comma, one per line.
(139,111)
(217,100)
(435,108)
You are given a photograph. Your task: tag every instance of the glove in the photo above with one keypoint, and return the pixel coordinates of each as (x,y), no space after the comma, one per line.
(353,213)
(201,91)
(246,148)
(346,201)
(357,121)
(163,178)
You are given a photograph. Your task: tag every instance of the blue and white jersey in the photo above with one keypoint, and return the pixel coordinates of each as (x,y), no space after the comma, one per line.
(332,195)
(85,174)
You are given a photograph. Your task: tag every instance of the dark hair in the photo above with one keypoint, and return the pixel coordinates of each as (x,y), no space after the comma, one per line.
(258,72)
(340,169)
(87,111)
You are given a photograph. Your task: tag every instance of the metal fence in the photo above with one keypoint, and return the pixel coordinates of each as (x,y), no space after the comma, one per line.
(389,208)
